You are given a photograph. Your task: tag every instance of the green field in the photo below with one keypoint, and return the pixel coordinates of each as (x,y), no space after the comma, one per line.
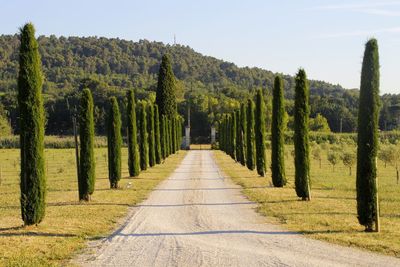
(68,224)
(331,215)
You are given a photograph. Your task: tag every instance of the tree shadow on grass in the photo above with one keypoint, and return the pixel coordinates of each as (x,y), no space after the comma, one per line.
(38,234)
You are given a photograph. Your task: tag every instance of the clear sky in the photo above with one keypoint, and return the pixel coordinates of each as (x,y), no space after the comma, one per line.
(324,37)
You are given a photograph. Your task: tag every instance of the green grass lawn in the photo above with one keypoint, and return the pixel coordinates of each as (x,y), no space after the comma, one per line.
(331,215)
(68,224)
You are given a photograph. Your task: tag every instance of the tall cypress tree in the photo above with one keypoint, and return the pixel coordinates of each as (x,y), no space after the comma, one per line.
(143,138)
(367,142)
(170,136)
(163,139)
(243,133)
(259,129)
(227,134)
(277,135)
(114,143)
(250,148)
(173,134)
(87,166)
(150,134)
(133,149)
(233,135)
(157,135)
(239,145)
(166,88)
(31,122)
(301,144)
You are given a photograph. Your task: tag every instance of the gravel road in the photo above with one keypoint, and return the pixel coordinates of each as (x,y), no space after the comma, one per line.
(198,218)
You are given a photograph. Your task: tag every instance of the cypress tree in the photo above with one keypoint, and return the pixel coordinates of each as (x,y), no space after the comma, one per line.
(221,135)
(238,137)
(301,145)
(227,134)
(367,142)
(251,149)
(166,88)
(233,135)
(114,143)
(150,134)
(157,135)
(133,149)
(31,122)
(171,144)
(86,135)
(143,138)
(163,133)
(277,135)
(167,140)
(259,130)
(243,133)
(173,134)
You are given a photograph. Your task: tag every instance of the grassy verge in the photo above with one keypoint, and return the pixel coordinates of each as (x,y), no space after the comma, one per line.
(331,215)
(68,224)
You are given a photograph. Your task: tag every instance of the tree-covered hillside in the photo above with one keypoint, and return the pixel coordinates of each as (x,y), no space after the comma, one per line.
(112,66)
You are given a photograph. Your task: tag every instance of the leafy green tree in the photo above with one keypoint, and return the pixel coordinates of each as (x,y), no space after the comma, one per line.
(87,174)
(143,138)
(243,133)
(157,135)
(166,88)
(31,122)
(301,139)
(319,124)
(259,130)
(277,135)
(349,159)
(367,144)
(114,143)
(133,149)
(150,135)
(333,159)
(250,147)
(316,153)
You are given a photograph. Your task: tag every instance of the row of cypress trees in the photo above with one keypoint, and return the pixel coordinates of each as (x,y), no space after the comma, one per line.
(232,137)
(243,136)
(152,136)
(242,133)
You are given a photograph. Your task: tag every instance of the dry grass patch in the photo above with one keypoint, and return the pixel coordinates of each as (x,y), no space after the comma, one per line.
(331,215)
(68,223)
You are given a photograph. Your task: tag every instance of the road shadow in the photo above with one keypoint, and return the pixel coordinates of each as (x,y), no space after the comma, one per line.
(208,189)
(195,204)
(217,232)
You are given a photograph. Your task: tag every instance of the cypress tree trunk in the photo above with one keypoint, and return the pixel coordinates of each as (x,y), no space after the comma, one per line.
(233,135)
(157,135)
(133,149)
(31,122)
(243,133)
(301,145)
(367,144)
(86,136)
(114,141)
(238,137)
(259,129)
(143,138)
(150,135)
(277,135)
(166,87)
(251,149)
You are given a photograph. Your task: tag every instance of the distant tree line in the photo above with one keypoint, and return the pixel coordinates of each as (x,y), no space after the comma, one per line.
(111,67)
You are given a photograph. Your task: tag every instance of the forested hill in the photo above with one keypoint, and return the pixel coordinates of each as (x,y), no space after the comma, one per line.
(114,65)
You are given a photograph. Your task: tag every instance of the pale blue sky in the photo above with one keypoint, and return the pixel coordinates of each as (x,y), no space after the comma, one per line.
(325,37)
